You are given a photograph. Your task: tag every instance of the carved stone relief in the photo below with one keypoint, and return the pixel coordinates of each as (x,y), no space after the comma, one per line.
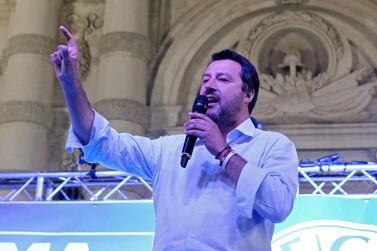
(82,26)
(305,96)
(293,25)
(297,54)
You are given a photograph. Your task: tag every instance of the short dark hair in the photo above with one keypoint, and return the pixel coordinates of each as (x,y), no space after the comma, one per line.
(248,74)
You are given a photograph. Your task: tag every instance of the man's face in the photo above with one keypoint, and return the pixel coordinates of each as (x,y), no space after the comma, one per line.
(222,84)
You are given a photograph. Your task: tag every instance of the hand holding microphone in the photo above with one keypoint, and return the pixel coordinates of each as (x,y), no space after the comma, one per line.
(200,105)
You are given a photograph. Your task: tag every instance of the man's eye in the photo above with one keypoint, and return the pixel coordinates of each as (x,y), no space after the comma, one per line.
(223,80)
(205,80)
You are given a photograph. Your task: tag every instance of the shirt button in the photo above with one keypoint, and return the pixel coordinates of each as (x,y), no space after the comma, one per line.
(206,191)
(192,235)
(198,213)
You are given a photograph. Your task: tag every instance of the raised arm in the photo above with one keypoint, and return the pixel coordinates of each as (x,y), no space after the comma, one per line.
(66,64)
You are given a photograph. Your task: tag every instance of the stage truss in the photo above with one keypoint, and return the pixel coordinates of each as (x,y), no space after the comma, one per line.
(339,179)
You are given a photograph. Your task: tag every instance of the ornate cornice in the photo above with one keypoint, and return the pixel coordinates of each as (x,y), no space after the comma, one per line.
(26,111)
(30,43)
(124,109)
(125,41)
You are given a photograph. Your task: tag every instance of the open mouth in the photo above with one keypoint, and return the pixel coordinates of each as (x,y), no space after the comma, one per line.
(212,99)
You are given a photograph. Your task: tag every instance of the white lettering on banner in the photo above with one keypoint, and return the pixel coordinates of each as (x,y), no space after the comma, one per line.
(72,246)
(326,235)
(77,247)
(39,247)
(8,246)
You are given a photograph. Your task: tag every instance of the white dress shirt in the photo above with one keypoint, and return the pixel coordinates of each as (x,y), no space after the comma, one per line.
(200,207)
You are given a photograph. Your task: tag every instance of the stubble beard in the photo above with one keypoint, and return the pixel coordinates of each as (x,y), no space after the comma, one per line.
(225,118)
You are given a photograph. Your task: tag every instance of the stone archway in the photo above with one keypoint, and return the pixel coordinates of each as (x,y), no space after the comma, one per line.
(345,69)
(174,85)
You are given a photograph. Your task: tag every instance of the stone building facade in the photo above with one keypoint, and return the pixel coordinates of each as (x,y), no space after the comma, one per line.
(142,61)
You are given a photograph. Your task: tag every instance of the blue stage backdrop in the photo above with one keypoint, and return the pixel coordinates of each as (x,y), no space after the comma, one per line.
(317,223)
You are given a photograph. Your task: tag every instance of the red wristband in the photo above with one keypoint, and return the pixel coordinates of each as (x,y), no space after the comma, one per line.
(221,152)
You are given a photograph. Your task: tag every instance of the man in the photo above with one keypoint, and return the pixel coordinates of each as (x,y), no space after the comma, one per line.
(239,181)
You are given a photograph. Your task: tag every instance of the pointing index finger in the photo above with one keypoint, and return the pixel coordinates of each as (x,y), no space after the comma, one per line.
(66,33)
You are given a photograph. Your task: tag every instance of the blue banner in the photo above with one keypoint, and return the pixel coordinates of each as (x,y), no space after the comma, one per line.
(320,223)
(334,223)
(77,226)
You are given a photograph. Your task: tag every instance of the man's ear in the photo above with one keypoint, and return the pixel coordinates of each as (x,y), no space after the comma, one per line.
(248,97)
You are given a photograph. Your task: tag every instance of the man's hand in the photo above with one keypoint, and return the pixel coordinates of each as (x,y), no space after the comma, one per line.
(201,126)
(66,61)
(66,65)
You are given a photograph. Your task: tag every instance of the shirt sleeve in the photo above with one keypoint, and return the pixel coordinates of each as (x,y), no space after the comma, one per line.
(270,186)
(119,151)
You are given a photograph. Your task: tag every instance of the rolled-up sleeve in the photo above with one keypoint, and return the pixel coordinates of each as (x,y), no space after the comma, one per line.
(269,186)
(119,151)
(100,125)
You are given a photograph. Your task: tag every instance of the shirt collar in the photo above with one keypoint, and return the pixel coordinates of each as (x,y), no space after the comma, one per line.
(246,128)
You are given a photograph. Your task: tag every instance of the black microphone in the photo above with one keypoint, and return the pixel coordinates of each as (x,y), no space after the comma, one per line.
(200,105)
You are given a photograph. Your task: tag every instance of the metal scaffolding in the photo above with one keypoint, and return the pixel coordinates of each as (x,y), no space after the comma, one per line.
(341,179)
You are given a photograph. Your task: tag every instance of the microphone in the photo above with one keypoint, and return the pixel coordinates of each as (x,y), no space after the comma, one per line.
(200,105)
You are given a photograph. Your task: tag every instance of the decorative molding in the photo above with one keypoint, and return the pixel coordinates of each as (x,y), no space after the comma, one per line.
(311,20)
(30,43)
(124,109)
(81,26)
(290,2)
(330,136)
(125,41)
(26,111)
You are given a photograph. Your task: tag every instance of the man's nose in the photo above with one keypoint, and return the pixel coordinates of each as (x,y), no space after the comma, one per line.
(210,85)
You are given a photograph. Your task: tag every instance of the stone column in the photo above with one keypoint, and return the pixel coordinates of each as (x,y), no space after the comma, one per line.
(124,53)
(25,113)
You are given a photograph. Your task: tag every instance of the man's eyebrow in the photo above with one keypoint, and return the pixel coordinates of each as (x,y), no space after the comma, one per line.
(217,74)
(223,74)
